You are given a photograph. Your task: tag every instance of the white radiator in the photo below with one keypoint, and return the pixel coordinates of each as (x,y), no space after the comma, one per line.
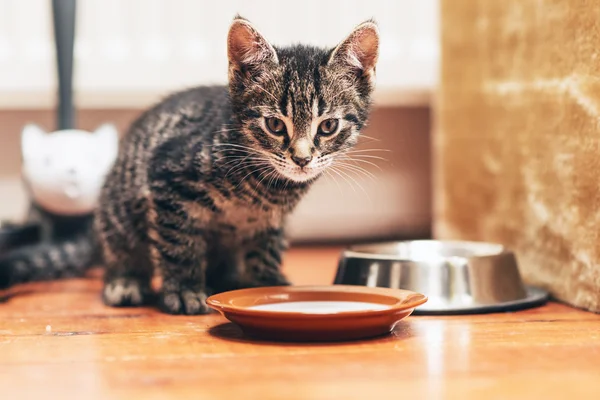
(128,53)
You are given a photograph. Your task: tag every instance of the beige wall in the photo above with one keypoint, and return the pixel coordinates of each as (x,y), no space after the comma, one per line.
(396,203)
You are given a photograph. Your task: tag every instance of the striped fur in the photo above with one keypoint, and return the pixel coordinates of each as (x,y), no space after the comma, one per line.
(66,249)
(202,186)
(48,261)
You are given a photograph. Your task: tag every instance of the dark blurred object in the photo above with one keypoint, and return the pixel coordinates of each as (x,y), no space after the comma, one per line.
(13,236)
(63,13)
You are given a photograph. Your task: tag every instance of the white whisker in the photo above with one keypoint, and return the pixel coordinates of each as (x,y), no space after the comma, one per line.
(270,181)
(362,161)
(265,173)
(266,91)
(362,135)
(250,173)
(328,173)
(354,156)
(236,169)
(358,184)
(353,151)
(355,168)
(333,169)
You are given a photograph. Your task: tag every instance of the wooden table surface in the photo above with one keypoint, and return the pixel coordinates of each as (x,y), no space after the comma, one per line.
(57,341)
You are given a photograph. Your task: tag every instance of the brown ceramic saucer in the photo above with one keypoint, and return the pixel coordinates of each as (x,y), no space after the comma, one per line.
(316,313)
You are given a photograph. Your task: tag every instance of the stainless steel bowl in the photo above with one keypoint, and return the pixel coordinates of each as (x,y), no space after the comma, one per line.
(456,276)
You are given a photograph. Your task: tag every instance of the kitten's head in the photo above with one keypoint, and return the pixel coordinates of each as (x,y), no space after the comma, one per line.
(301,106)
(65,170)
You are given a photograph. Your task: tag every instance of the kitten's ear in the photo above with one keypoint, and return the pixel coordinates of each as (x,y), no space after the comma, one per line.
(32,141)
(247,49)
(107,138)
(359,51)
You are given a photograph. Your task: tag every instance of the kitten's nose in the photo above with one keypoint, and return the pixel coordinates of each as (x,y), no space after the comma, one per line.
(301,161)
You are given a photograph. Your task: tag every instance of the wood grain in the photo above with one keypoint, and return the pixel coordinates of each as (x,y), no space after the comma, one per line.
(90,351)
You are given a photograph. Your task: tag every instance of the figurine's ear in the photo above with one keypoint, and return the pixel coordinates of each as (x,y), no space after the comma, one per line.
(107,138)
(32,141)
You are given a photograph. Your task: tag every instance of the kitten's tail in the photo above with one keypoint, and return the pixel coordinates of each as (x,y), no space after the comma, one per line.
(48,261)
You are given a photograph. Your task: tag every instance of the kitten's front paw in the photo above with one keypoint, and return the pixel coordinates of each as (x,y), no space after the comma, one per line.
(123,292)
(185,301)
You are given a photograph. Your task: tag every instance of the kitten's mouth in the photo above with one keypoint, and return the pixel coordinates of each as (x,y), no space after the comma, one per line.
(300,174)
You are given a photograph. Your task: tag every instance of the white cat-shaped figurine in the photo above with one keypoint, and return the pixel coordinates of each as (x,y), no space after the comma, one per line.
(64,172)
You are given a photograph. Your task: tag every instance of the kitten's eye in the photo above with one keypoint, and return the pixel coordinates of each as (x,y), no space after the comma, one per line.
(328,127)
(275,126)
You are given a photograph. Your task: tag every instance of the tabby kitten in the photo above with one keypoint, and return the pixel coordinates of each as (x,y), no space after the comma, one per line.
(204,180)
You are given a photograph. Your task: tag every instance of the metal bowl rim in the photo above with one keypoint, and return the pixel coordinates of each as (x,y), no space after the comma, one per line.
(354,251)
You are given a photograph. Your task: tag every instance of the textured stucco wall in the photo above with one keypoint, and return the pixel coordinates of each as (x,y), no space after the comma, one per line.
(517,136)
